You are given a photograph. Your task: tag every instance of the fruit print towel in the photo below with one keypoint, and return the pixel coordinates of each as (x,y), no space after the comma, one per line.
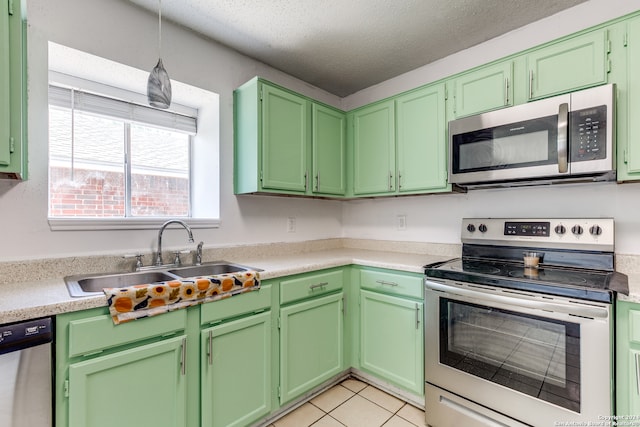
(134,302)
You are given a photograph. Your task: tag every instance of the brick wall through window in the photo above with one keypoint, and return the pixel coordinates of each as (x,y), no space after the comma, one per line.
(91,193)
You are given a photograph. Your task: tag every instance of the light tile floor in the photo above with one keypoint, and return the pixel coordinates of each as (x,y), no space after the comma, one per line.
(353,403)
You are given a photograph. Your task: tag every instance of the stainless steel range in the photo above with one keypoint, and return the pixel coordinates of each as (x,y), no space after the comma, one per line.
(519,331)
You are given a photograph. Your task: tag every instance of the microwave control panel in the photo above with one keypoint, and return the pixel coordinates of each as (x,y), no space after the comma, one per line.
(588,134)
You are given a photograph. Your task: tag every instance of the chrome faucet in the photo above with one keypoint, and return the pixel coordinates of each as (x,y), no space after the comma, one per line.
(159,262)
(198,259)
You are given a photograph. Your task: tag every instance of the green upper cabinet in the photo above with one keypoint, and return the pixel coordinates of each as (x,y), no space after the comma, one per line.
(421,140)
(13,90)
(571,64)
(285,135)
(483,89)
(328,141)
(374,162)
(399,145)
(286,143)
(236,372)
(629,106)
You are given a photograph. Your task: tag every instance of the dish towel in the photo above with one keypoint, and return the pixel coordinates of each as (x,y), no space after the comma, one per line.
(135,302)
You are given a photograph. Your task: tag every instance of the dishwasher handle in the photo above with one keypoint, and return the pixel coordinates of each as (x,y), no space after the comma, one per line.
(22,335)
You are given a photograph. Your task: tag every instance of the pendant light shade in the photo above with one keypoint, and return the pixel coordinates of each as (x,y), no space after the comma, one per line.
(159,84)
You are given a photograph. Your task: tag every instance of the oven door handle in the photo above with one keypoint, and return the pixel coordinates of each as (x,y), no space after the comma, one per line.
(574,309)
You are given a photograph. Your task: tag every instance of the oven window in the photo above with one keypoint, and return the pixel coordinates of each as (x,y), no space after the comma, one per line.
(530,354)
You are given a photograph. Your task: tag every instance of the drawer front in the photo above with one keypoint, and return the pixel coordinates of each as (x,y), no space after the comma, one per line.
(98,333)
(248,302)
(310,286)
(392,283)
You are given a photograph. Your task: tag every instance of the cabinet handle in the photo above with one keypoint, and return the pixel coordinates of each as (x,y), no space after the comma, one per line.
(399,180)
(637,357)
(506,91)
(344,305)
(210,349)
(530,84)
(306,180)
(183,357)
(384,282)
(318,285)
(318,181)
(390,181)
(417,316)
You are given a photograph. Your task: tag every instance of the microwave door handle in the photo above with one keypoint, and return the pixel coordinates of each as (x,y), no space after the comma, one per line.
(563,126)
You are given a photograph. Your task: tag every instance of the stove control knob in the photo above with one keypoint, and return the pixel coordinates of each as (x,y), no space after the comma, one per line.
(577,230)
(471,228)
(560,229)
(595,230)
(482,228)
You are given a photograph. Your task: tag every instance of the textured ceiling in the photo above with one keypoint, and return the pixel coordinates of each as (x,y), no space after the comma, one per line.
(343,46)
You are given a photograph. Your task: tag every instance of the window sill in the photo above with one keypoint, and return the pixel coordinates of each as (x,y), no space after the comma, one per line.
(86,224)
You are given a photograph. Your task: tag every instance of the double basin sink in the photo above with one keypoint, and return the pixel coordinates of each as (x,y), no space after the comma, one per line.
(92,284)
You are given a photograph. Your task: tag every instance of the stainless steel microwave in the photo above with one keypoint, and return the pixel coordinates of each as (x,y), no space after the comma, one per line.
(566,137)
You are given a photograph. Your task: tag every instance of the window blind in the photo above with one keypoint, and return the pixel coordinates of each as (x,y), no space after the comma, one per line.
(112,107)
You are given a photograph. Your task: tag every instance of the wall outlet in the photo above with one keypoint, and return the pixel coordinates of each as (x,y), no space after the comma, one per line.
(402,222)
(291,224)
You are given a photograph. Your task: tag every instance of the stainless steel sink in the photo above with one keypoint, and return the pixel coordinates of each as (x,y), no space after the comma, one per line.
(86,285)
(92,284)
(209,269)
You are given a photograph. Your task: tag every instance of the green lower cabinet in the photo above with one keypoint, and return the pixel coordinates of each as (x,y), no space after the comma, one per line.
(236,372)
(311,344)
(392,339)
(627,358)
(142,386)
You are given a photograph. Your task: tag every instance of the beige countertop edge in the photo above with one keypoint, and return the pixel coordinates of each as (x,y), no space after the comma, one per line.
(32,299)
(26,300)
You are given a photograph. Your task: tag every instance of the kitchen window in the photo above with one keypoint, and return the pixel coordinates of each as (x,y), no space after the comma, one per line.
(110,158)
(115,162)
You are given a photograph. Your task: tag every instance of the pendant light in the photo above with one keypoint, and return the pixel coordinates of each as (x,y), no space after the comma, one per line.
(159,85)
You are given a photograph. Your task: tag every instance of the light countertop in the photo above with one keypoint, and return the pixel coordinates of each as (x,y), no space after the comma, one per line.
(49,296)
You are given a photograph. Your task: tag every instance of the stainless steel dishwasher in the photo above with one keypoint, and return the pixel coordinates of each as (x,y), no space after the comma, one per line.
(25,364)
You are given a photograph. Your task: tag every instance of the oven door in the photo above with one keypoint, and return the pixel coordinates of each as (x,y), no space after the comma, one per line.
(522,142)
(537,359)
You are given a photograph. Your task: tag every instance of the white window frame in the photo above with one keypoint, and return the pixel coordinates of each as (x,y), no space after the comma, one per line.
(94,74)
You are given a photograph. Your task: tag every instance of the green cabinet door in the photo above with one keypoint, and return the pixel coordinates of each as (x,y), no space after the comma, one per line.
(13,90)
(631,150)
(142,386)
(627,358)
(374,162)
(421,144)
(391,339)
(311,344)
(5,85)
(328,150)
(236,372)
(569,65)
(285,137)
(483,89)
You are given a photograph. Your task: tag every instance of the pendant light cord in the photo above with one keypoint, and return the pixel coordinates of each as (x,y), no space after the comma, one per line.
(159,28)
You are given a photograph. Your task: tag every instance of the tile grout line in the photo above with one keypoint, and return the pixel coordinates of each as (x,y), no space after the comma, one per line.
(392,414)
